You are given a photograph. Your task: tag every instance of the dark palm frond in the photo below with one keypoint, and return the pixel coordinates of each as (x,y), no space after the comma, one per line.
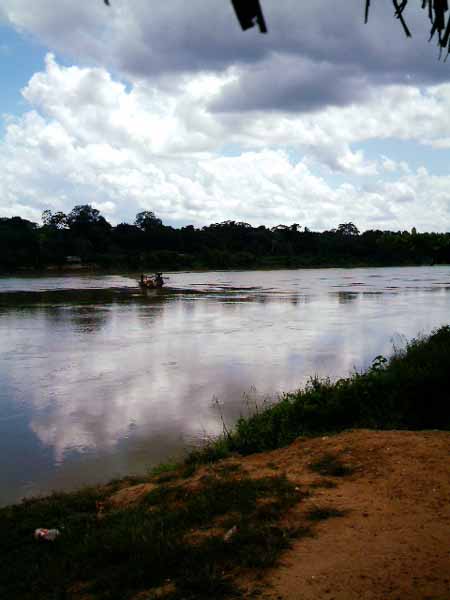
(436,9)
(249,13)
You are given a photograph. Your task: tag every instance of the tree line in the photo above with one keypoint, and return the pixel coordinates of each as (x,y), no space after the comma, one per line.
(83,237)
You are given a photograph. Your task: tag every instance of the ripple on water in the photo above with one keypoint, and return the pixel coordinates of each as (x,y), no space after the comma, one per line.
(80,368)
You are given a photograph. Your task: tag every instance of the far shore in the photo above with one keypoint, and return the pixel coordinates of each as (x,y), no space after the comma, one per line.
(97,270)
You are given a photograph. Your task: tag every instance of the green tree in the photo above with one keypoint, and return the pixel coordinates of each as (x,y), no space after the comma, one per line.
(54,238)
(57,220)
(84,215)
(348,229)
(90,231)
(19,246)
(147,220)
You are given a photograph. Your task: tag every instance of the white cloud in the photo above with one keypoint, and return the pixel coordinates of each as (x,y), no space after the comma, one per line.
(143,41)
(388,164)
(90,139)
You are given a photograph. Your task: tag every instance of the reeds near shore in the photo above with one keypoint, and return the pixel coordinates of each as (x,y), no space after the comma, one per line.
(411,390)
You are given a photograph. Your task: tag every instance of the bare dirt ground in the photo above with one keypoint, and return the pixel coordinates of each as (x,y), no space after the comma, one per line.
(394,541)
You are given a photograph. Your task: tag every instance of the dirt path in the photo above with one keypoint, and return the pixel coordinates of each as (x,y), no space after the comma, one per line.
(394,541)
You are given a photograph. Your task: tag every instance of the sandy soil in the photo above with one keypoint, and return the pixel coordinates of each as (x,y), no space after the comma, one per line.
(394,542)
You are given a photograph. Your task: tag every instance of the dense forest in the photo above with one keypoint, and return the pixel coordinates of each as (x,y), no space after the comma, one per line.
(84,238)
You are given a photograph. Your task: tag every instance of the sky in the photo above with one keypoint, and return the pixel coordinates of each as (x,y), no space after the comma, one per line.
(171,107)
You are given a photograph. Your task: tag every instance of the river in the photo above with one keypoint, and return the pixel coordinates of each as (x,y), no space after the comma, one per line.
(99,380)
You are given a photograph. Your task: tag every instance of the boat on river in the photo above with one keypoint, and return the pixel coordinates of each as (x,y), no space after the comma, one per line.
(152,282)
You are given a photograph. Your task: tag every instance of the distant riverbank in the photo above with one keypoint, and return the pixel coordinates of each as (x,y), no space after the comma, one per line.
(85,237)
(284,263)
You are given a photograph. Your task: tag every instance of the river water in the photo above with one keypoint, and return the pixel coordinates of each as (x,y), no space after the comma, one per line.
(99,379)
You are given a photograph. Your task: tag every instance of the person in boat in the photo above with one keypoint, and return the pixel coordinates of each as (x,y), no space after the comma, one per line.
(152,282)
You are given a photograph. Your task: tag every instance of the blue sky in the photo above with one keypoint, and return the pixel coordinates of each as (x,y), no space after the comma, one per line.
(178,111)
(20,58)
(437,160)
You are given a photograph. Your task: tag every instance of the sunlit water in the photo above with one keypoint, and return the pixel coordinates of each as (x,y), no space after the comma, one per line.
(99,380)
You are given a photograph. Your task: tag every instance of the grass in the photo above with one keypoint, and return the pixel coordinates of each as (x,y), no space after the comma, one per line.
(171,471)
(408,391)
(176,534)
(330,465)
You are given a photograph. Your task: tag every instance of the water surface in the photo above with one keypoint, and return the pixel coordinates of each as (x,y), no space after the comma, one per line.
(99,380)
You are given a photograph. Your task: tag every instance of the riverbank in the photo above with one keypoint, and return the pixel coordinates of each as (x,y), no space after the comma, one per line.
(172,267)
(362,514)
(355,514)
(408,391)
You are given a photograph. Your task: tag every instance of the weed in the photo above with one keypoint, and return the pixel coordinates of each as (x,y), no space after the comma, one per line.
(163,468)
(132,549)
(407,391)
(172,471)
(330,465)
(166,477)
(187,470)
(213,451)
(226,468)
(322,513)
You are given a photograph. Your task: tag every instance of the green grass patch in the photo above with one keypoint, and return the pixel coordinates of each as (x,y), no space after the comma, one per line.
(167,472)
(408,391)
(210,452)
(164,468)
(177,533)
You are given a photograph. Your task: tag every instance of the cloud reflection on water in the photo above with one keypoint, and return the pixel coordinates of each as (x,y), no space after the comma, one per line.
(122,383)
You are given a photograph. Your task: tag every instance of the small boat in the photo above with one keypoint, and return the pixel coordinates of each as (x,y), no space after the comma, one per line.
(155,281)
